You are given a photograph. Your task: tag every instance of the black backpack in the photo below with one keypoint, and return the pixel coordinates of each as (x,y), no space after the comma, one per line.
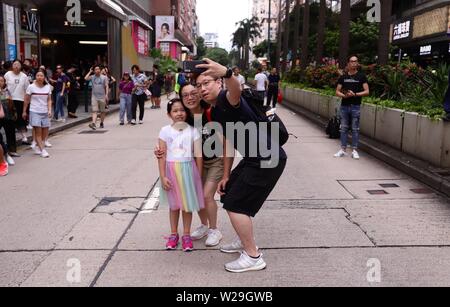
(334,128)
(260,111)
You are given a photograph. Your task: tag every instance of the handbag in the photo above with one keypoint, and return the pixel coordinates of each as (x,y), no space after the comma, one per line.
(280,97)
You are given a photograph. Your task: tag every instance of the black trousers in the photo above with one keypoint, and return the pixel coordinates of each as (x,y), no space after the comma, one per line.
(21,124)
(138,100)
(73,103)
(10,132)
(272,96)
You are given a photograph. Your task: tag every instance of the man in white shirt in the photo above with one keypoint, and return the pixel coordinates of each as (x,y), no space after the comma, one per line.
(241,79)
(18,83)
(261,84)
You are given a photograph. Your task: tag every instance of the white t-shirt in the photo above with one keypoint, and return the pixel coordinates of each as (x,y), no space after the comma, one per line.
(241,80)
(39,98)
(261,80)
(180,144)
(17,85)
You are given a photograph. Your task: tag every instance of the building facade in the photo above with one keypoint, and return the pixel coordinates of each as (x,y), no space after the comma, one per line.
(211,40)
(421,31)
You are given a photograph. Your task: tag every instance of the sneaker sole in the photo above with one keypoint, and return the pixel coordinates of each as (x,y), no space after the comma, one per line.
(199,238)
(213,245)
(257,268)
(188,250)
(171,248)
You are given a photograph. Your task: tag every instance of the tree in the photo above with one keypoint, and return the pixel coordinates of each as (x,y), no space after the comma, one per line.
(218,55)
(321,30)
(364,36)
(383,41)
(305,35)
(248,30)
(201,47)
(344,38)
(238,41)
(260,50)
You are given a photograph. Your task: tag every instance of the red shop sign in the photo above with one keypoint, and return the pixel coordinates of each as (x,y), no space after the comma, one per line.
(140,38)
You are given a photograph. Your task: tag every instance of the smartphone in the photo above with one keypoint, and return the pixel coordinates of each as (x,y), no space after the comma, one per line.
(190,67)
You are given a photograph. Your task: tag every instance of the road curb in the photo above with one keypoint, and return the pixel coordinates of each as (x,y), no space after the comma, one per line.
(411,166)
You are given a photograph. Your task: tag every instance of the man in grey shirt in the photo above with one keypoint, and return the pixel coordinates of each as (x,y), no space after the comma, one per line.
(100,91)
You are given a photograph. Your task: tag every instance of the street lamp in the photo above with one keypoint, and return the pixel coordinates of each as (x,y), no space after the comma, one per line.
(268,36)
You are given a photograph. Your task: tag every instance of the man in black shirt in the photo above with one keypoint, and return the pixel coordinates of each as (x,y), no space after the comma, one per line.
(274,87)
(250,183)
(352,86)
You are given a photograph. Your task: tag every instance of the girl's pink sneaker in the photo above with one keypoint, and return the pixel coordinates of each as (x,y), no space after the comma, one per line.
(188,245)
(172,242)
(3,169)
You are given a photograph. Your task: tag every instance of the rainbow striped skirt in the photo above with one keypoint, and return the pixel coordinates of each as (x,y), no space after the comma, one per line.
(187,188)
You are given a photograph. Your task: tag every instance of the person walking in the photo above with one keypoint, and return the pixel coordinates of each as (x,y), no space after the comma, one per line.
(17,83)
(60,82)
(39,98)
(261,84)
(352,86)
(100,90)
(274,88)
(8,121)
(139,96)
(126,87)
(74,81)
(180,172)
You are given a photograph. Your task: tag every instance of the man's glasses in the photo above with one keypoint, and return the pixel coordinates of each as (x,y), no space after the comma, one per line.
(204,84)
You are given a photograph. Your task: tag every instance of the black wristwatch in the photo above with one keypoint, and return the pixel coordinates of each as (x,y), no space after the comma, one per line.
(229,74)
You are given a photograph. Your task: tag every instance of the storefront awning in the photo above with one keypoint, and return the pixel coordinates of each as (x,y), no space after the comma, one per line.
(141,21)
(113,9)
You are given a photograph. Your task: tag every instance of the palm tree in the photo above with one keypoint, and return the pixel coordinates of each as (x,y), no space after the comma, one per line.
(305,35)
(383,42)
(286,35)
(248,30)
(321,30)
(297,30)
(344,38)
(238,41)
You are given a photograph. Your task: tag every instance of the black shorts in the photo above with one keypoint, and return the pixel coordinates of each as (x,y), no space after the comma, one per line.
(156,91)
(250,186)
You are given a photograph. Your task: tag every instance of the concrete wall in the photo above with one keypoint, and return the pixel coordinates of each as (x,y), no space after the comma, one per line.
(409,132)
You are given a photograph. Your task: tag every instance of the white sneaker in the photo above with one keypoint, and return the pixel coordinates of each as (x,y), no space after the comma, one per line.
(29,127)
(141,122)
(48,145)
(10,160)
(45,154)
(214,238)
(33,145)
(25,140)
(37,151)
(355,155)
(200,233)
(341,153)
(245,263)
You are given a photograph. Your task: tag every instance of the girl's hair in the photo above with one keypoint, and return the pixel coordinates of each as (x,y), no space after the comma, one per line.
(174,101)
(203,104)
(126,74)
(4,80)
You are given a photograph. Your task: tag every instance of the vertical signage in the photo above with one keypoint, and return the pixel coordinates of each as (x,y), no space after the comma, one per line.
(402,30)
(140,38)
(11,32)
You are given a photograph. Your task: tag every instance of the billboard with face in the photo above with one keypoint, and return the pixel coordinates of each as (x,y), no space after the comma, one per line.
(165,28)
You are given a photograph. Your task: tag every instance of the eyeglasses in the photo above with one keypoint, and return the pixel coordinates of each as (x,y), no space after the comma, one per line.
(204,84)
(191,94)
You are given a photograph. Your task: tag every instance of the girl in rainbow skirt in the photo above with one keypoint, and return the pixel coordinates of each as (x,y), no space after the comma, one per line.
(180,173)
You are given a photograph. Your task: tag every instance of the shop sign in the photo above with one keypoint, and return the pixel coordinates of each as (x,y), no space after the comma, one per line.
(402,30)
(425,50)
(29,21)
(73,15)
(165,48)
(140,38)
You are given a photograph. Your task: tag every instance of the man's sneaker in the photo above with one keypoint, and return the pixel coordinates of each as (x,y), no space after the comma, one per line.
(141,122)
(37,151)
(341,153)
(172,242)
(200,233)
(25,141)
(234,247)
(3,169)
(245,263)
(188,245)
(92,126)
(45,154)
(133,122)
(214,238)
(102,126)
(122,123)
(355,155)
(48,145)
(10,160)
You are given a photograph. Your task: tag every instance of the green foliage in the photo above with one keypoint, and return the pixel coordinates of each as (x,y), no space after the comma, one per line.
(201,48)
(218,55)
(260,50)
(166,64)
(156,53)
(364,39)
